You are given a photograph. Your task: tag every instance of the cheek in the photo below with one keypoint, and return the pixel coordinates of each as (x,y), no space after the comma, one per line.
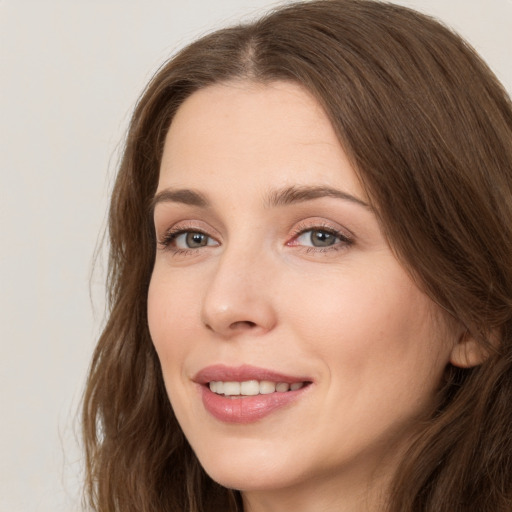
(169,300)
(376,330)
(171,313)
(382,358)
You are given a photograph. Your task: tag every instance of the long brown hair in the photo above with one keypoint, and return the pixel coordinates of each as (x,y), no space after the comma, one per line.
(429,131)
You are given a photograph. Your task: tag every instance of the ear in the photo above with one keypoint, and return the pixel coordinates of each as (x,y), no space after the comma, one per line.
(467,352)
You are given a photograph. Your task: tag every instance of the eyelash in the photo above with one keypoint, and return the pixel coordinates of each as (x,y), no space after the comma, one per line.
(344,241)
(166,242)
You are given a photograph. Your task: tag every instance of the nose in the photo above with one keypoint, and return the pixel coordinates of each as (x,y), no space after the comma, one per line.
(238,298)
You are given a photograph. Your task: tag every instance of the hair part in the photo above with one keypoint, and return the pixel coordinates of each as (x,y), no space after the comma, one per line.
(428,129)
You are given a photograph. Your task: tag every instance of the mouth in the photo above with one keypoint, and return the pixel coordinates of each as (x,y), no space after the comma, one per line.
(253,387)
(246,394)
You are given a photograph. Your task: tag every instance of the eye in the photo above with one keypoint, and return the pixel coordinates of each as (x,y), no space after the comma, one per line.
(192,240)
(318,238)
(182,240)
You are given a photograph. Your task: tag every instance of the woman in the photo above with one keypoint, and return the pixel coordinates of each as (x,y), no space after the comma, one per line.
(310,275)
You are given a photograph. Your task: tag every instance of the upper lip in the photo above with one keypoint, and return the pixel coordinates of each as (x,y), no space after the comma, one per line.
(220,372)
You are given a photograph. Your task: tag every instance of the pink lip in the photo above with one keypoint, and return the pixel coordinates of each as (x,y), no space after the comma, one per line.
(241,373)
(246,409)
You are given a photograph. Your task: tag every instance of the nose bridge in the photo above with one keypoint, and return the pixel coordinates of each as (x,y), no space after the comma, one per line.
(237,297)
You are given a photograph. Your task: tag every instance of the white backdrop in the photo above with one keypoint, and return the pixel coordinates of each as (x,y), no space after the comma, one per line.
(71,72)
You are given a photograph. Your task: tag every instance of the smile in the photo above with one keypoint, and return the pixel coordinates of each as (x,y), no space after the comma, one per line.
(252,387)
(245,394)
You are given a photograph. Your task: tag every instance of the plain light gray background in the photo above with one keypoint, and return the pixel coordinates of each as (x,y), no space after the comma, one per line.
(71,72)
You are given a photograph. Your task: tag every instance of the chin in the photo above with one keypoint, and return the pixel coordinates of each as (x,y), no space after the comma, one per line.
(249,480)
(250,469)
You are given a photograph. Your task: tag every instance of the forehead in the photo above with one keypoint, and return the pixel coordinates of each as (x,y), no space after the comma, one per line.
(272,135)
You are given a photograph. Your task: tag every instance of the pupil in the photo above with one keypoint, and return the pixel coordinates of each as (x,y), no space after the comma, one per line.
(322,238)
(196,239)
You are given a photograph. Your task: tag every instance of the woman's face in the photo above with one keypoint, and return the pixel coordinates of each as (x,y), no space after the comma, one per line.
(272,271)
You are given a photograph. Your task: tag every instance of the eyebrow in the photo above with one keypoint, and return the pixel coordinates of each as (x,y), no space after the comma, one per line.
(300,194)
(275,198)
(183,196)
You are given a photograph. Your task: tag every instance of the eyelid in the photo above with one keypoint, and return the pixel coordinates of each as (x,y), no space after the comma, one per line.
(168,235)
(177,237)
(321,224)
(345,238)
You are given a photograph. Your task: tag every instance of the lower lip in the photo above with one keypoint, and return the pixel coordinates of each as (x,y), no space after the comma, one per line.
(246,409)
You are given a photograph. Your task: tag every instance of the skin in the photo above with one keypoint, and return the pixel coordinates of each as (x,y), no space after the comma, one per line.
(348,316)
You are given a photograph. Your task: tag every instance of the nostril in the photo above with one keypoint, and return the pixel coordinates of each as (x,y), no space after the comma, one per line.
(241,325)
(245,324)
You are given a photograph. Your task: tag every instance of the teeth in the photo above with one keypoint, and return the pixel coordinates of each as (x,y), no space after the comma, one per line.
(267,387)
(252,387)
(231,388)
